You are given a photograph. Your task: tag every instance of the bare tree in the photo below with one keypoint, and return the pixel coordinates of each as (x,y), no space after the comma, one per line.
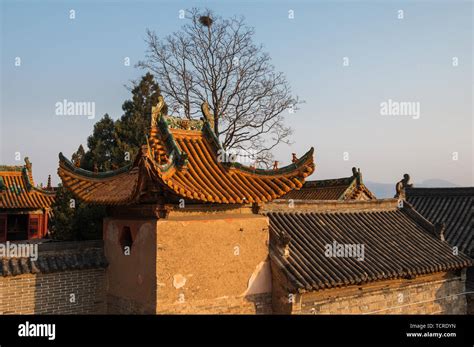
(215,60)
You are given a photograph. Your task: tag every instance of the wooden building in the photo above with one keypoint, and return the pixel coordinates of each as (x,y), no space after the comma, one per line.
(345,188)
(24,208)
(182,235)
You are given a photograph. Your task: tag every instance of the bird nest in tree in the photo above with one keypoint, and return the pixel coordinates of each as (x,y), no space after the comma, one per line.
(205,20)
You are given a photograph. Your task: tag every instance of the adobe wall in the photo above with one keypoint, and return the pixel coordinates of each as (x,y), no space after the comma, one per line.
(131,278)
(213,264)
(434,294)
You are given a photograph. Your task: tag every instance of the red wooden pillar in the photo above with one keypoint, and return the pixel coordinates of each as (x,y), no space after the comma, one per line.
(34,226)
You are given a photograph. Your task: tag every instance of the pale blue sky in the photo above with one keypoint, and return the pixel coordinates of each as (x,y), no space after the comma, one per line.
(402,60)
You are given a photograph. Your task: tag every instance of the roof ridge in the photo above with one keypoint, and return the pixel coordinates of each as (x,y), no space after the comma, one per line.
(332,206)
(437,191)
(11,168)
(328,181)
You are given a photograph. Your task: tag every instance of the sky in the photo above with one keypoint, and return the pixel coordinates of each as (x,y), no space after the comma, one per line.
(345,59)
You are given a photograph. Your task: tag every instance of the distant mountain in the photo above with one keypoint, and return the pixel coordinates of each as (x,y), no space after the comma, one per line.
(381,190)
(387,190)
(434,182)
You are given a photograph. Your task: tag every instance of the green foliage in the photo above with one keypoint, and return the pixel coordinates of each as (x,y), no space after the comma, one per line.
(102,145)
(112,144)
(132,127)
(74,220)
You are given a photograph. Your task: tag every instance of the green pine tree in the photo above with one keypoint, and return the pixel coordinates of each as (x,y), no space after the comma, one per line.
(132,127)
(112,144)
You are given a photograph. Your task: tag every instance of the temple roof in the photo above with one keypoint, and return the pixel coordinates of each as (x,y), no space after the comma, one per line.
(181,159)
(452,206)
(346,188)
(398,243)
(18,191)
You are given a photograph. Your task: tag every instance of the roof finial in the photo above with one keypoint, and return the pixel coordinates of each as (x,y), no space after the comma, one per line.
(357,175)
(156,111)
(207,114)
(283,244)
(28,164)
(401,185)
(294,158)
(275,165)
(49,182)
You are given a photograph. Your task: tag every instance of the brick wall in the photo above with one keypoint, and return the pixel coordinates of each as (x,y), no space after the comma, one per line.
(51,293)
(434,294)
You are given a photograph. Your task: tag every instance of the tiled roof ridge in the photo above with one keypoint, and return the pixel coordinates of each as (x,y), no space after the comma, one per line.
(425,223)
(280,171)
(438,191)
(335,206)
(11,168)
(48,262)
(342,181)
(180,157)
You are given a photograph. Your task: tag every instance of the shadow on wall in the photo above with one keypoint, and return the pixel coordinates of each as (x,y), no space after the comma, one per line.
(450,298)
(470,290)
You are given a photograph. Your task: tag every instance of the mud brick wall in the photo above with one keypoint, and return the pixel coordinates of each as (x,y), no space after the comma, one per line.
(435,294)
(51,293)
(196,264)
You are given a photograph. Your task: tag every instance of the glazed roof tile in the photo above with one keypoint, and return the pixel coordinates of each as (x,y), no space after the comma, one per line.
(181,158)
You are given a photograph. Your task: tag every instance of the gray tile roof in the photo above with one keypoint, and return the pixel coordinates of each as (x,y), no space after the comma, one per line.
(54,262)
(398,243)
(452,206)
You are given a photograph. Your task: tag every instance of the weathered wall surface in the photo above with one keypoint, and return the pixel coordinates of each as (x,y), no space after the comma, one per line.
(435,294)
(66,292)
(213,264)
(131,278)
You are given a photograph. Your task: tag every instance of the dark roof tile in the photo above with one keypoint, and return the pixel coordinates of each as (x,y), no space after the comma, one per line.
(398,243)
(452,206)
(54,262)
(346,188)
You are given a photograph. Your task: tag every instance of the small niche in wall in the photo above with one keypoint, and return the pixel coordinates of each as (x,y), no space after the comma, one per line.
(126,240)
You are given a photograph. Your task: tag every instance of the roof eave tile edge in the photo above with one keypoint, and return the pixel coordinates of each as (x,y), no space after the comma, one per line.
(306,160)
(67,165)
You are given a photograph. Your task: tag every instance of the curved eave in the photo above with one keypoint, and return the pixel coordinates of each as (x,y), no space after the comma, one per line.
(89,174)
(305,162)
(117,187)
(205,179)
